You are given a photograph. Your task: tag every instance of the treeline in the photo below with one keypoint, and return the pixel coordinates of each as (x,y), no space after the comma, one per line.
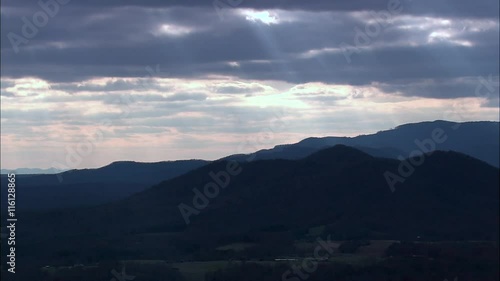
(405,261)
(399,269)
(100,272)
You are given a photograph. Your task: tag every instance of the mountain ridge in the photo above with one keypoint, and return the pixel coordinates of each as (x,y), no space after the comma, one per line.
(479,139)
(120,179)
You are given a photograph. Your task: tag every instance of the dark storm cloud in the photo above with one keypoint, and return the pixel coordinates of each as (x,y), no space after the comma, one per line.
(88,39)
(483,87)
(461,8)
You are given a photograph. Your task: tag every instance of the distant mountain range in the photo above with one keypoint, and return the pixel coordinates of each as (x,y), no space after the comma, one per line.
(477,139)
(451,196)
(31,171)
(121,179)
(94,186)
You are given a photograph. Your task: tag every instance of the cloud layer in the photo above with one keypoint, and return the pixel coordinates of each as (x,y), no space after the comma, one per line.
(197,78)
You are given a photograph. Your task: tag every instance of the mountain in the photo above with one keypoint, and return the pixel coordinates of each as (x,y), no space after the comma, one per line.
(478,139)
(94,186)
(31,171)
(450,196)
(120,179)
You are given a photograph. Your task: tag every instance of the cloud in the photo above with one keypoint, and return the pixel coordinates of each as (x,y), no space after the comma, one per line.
(222,80)
(446,88)
(241,88)
(305,48)
(187,97)
(461,8)
(6,93)
(108,85)
(494,103)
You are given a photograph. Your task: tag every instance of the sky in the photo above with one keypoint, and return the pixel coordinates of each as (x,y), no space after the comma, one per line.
(86,83)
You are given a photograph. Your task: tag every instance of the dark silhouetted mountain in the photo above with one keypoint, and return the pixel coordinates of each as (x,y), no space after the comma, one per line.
(478,139)
(121,179)
(95,186)
(451,196)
